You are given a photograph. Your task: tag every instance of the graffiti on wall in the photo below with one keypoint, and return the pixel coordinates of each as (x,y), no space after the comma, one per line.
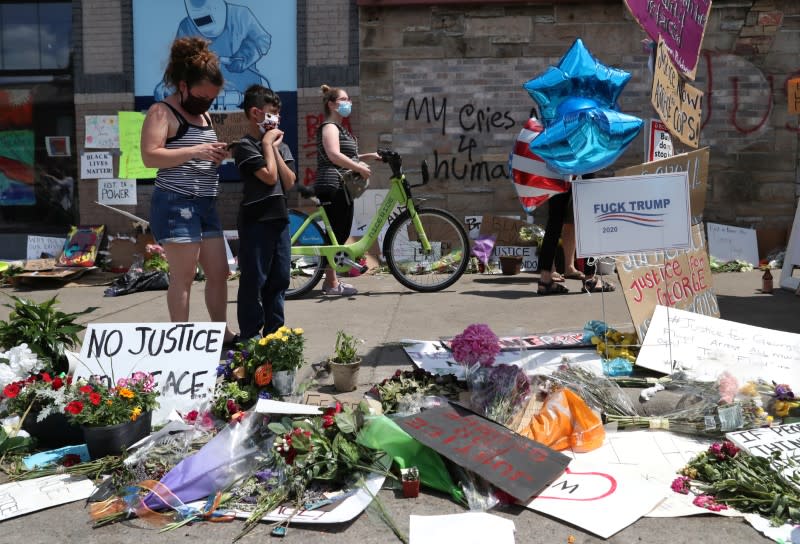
(467,123)
(309,145)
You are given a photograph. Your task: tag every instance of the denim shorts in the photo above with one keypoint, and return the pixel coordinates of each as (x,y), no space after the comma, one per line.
(181,219)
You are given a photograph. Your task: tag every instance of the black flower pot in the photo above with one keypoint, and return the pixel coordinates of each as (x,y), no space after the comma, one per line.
(54,431)
(114,439)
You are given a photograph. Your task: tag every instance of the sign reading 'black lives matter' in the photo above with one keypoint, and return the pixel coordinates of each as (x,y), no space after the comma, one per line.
(183,357)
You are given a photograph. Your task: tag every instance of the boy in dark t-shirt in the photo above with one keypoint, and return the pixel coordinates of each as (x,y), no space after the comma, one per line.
(266,166)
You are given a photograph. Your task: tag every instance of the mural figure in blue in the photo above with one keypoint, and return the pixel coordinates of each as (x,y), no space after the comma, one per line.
(236,36)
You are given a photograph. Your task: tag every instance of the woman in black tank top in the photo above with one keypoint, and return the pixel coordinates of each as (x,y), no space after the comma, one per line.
(178,139)
(337,152)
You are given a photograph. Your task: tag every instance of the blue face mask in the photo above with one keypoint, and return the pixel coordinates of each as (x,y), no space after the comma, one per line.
(344,108)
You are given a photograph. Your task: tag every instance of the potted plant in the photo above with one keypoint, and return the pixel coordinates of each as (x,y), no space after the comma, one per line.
(276,358)
(40,400)
(113,417)
(46,330)
(345,362)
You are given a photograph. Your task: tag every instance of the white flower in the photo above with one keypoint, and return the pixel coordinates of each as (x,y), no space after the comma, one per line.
(10,425)
(20,362)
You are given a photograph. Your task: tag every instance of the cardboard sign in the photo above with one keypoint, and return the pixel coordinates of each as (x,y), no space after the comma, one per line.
(230,127)
(505,228)
(130,146)
(633,214)
(117,191)
(659,144)
(44,247)
(704,347)
(182,356)
(763,442)
(511,462)
(102,132)
(694,163)
(677,278)
(727,243)
(677,103)
(97,165)
(793,94)
(680,24)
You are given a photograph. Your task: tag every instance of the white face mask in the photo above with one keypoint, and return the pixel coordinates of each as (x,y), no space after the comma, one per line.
(271,120)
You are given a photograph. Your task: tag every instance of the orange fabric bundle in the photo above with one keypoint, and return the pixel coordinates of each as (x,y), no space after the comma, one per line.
(565,421)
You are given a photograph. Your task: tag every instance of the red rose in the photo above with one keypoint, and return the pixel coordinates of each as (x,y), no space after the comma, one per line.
(86,389)
(12,390)
(74,407)
(46,377)
(191,417)
(57,384)
(94,398)
(70,459)
(69,380)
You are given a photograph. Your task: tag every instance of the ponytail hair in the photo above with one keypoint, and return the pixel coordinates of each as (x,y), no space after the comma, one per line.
(329,94)
(191,60)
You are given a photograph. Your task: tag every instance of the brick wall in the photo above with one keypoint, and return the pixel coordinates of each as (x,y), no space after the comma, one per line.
(443,83)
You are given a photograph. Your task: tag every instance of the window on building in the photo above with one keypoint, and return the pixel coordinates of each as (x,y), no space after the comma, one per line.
(35,35)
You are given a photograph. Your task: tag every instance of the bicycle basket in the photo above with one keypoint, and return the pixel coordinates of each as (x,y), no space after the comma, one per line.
(354,183)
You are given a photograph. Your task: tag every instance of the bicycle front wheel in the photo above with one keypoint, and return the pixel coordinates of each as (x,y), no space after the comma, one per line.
(433,270)
(306,270)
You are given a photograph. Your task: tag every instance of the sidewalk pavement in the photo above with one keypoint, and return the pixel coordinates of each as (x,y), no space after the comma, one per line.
(382,314)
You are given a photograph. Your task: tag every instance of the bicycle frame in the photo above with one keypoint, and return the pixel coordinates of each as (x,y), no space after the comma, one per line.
(341,257)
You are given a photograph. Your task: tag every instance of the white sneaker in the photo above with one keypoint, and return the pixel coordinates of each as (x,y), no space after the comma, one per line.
(342,290)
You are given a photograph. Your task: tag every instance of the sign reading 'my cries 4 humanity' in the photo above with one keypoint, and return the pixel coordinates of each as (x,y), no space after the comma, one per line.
(616,216)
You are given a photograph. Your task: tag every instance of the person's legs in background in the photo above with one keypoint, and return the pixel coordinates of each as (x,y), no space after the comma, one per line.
(273,292)
(555,220)
(182,259)
(253,251)
(340,214)
(214,261)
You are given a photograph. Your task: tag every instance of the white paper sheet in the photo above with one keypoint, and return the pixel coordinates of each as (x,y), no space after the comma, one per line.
(468,528)
(269,406)
(19,498)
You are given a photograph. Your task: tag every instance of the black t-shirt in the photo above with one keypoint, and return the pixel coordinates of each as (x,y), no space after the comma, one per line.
(260,202)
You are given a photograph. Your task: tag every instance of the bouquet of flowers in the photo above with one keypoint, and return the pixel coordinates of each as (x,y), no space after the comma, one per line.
(41,393)
(155,258)
(476,345)
(499,392)
(95,403)
(283,349)
(407,386)
(17,364)
(724,476)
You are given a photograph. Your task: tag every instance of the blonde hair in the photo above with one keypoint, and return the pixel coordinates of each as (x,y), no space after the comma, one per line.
(329,94)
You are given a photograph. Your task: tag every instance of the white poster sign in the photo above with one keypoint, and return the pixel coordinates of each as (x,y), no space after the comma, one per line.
(473,225)
(603,499)
(659,144)
(182,356)
(116,191)
(465,528)
(44,245)
(97,165)
(364,209)
(530,258)
(102,132)
(24,497)
(727,243)
(705,346)
(792,255)
(766,441)
(632,214)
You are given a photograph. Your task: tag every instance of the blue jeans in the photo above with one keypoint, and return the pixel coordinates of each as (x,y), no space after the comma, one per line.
(181,219)
(264,262)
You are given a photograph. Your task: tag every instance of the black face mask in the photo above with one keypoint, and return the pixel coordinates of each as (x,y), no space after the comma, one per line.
(195,105)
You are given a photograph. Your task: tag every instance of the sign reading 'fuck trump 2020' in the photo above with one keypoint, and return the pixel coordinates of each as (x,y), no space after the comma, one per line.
(632,214)
(183,357)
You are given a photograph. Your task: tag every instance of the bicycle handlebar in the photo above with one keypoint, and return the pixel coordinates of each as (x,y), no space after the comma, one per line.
(394,160)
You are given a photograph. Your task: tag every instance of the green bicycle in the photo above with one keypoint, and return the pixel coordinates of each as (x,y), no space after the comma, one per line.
(426,249)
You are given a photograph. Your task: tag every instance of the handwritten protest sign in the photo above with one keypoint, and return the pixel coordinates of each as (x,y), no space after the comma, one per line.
(793,93)
(513,463)
(117,191)
(677,103)
(694,163)
(728,243)
(183,357)
(97,165)
(766,441)
(130,135)
(39,246)
(231,126)
(677,278)
(659,145)
(704,347)
(680,24)
(616,216)
(102,131)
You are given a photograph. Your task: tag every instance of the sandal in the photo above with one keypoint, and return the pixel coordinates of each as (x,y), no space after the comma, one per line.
(597,285)
(576,276)
(557,277)
(551,288)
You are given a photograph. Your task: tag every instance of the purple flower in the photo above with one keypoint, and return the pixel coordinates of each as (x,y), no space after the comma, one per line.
(783,392)
(221,368)
(229,355)
(264,475)
(680,485)
(264,394)
(476,345)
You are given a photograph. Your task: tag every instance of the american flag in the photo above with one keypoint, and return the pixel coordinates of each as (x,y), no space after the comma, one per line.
(533,180)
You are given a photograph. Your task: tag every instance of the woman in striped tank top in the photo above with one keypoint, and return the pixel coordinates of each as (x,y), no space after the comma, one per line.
(179,140)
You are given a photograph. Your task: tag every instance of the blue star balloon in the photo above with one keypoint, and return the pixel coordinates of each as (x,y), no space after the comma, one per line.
(578,101)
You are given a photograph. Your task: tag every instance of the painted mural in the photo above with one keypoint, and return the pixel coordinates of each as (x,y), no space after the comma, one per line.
(16,148)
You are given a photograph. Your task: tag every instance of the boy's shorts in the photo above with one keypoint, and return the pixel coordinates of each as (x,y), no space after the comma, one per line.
(181,219)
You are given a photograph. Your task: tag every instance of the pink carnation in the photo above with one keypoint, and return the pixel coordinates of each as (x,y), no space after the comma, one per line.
(728,387)
(680,485)
(476,345)
(708,502)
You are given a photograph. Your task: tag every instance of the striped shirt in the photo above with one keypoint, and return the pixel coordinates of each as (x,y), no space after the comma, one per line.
(328,174)
(195,177)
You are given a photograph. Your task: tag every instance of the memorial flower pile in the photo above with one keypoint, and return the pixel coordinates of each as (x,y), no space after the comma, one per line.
(410,386)
(476,345)
(39,394)
(96,403)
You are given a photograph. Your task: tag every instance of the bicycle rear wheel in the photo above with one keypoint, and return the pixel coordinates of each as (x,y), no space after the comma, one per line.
(306,270)
(427,271)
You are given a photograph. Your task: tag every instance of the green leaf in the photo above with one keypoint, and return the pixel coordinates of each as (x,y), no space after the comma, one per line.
(346,422)
(278,428)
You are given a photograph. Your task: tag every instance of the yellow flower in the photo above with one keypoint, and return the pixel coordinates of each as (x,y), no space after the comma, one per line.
(298,330)
(126,393)
(284,329)
(749,389)
(109,402)
(782,408)
(263,341)
(135,413)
